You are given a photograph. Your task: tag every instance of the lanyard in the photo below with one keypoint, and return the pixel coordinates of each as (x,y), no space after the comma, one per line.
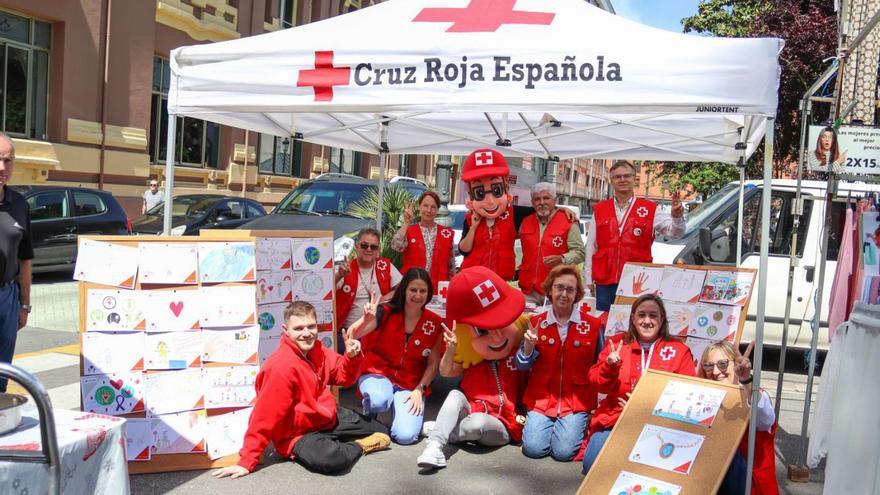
(622,222)
(646,363)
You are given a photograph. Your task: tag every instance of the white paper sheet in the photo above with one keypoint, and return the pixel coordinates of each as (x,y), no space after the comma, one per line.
(714,322)
(268,345)
(636,484)
(168,263)
(664,448)
(225,432)
(229,306)
(115,310)
(689,403)
(324,313)
(227,262)
(173,350)
(637,280)
(681,285)
(697,346)
(326,339)
(618,319)
(312,253)
(270,318)
(173,391)
(106,263)
(231,345)
(274,287)
(112,352)
(313,286)
(174,310)
(112,394)
(230,386)
(727,287)
(273,253)
(138,434)
(179,433)
(679,315)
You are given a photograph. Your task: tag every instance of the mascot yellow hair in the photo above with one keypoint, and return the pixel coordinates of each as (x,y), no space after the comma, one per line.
(464,351)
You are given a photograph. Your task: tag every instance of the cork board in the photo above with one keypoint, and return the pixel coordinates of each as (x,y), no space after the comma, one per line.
(709,467)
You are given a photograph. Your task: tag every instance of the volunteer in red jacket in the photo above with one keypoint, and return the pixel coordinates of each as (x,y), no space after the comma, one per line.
(425,244)
(295,409)
(623,361)
(623,230)
(363,276)
(402,344)
(548,239)
(559,347)
(722,362)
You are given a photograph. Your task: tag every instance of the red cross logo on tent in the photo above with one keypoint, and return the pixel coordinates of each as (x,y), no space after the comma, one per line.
(483,158)
(557,241)
(487,293)
(324,76)
(483,16)
(428,327)
(667,353)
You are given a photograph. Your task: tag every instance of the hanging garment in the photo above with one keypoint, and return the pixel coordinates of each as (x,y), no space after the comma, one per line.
(870,253)
(838,308)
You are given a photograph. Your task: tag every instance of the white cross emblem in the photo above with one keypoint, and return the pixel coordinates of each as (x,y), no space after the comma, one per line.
(487,293)
(583,328)
(510,363)
(382,265)
(446,233)
(557,241)
(642,212)
(483,158)
(428,327)
(505,215)
(667,353)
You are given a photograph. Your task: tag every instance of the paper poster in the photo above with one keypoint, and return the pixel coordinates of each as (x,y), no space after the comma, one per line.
(618,319)
(168,263)
(230,386)
(727,287)
(267,347)
(636,484)
(112,394)
(106,263)
(115,310)
(697,346)
(664,448)
(173,391)
(679,316)
(138,435)
(689,403)
(179,433)
(313,286)
(312,254)
(443,289)
(273,253)
(112,352)
(225,432)
(174,310)
(326,339)
(274,287)
(231,345)
(681,285)
(324,314)
(714,322)
(173,350)
(227,262)
(270,317)
(229,306)
(637,280)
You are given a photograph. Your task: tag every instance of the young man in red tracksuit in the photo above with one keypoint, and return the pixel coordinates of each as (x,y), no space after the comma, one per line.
(295,409)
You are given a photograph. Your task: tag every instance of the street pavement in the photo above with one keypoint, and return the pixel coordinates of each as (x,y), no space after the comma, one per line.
(49,348)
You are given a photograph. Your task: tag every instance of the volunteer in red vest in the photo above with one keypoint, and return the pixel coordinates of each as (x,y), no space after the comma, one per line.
(623,361)
(722,362)
(425,244)
(558,348)
(365,275)
(402,342)
(623,230)
(548,239)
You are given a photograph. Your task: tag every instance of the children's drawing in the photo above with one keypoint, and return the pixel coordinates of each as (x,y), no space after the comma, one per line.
(312,254)
(173,391)
(106,263)
(679,316)
(174,310)
(274,287)
(270,317)
(173,350)
(714,322)
(313,286)
(168,263)
(138,439)
(227,262)
(618,319)
(112,352)
(273,253)
(665,448)
(179,433)
(636,484)
(689,403)
(268,345)
(681,285)
(231,345)
(112,394)
(697,347)
(115,310)
(229,306)
(732,288)
(637,280)
(229,386)
(225,432)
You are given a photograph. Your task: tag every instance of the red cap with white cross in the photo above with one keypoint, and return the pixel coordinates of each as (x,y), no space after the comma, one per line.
(484,163)
(479,297)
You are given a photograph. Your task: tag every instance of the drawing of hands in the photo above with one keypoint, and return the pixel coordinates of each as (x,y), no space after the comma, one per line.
(639,282)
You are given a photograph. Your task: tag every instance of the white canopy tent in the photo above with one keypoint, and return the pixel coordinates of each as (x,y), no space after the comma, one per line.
(549,78)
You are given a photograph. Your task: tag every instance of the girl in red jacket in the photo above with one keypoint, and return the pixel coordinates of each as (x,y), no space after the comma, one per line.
(402,355)
(722,362)
(623,361)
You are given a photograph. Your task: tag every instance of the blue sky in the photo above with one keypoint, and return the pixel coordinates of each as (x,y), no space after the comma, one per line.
(663,14)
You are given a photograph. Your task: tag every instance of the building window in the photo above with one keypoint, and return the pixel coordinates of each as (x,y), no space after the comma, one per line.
(286,12)
(197,141)
(403,166)
(280,156)
(344,161)
(24,61)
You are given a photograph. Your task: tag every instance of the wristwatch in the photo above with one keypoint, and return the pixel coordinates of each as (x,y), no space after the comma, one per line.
(423,387)
(26,308)
(747,380)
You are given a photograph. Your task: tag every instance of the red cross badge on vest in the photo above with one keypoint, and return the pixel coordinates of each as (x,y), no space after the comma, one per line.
(446,233)
(557,241)
(382,265)
(583,328)
(428,327)
(642,212)
(487,293)
(667,353)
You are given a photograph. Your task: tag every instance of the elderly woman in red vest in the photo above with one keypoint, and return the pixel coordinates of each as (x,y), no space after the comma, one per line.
(559,347)
(722,362)
(623,361)
(402,345)
(425,244)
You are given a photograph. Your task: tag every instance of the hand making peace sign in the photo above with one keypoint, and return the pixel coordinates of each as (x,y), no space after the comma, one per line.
(408,214)
(352,345)
(449,336)
(371,307)
(741,364)
(614,358)
(530,339)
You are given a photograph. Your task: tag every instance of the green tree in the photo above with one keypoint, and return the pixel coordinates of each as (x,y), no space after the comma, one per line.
(394,200)
(732,18)
(705,178)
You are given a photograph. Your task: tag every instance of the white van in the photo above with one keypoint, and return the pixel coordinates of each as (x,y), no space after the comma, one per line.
(719,214)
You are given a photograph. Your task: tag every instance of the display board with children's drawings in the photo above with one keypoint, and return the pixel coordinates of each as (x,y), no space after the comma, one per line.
(174,331)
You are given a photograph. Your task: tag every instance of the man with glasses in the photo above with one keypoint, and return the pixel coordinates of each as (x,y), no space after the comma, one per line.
(365,275)
(623,230)
(152,196)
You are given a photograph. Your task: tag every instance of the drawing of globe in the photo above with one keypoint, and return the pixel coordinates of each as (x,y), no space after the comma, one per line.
(312,284)
(266,321)
(312,255)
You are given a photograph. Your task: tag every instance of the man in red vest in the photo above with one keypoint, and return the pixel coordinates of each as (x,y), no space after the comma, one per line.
(548,239)
(623,230)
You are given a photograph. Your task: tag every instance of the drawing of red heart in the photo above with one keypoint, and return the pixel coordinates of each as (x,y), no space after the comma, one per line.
(117,384)
(176,307)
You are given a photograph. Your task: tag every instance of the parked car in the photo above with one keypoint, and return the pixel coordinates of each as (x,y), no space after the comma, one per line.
(192,212)
(60,214)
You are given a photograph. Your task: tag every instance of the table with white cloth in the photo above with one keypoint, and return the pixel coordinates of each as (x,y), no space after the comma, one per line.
(90,446)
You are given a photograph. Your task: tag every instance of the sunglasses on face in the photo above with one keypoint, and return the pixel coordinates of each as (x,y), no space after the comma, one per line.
(721,363)
(154,185)
(478,193)
(564,289)
(369,247)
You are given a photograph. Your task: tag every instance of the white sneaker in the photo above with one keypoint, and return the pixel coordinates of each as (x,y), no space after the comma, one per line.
(432,456)
(427,428)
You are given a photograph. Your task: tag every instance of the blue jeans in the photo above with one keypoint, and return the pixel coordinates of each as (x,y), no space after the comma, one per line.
(605,295)
(558,437)
(380,395)
(9,309)
(594,446)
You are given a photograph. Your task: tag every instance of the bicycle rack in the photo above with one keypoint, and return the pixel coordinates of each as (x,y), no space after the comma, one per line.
(48,437)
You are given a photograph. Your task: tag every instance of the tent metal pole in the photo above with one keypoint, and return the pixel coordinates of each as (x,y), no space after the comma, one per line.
(739,213)
(383,157)
(169,172)
(762,297)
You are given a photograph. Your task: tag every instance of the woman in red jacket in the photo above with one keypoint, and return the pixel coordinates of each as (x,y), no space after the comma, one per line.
(722,362)
(402,355)
(426,244)
(623,361)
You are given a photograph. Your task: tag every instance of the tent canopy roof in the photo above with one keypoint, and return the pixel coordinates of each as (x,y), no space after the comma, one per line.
(550,78)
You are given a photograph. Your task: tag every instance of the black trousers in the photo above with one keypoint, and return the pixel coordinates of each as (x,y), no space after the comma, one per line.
(334,450)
